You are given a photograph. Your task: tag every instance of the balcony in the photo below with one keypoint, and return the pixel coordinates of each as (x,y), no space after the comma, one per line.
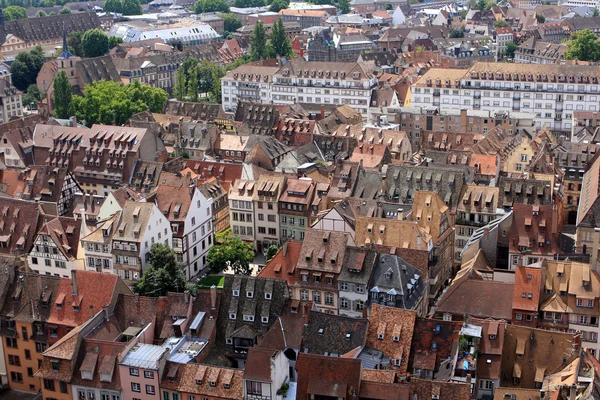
(477,95)
(466,222)
(516,96)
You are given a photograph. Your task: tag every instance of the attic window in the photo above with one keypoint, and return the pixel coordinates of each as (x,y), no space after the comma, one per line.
(236,293)
(267,296)
(380,336)
(249,294)
(321,330)
(226,385)
(348,335)
(232,316)
(396,338)
(492,337)
(213,384)
(264,320)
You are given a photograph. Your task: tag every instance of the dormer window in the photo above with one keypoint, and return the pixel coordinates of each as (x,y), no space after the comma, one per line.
(492,337)
(226,385)
(380,336)
(249,294)
(268,296)
(232,316)
(396,339)
(213,384)
(264,320)
(198,381)
(249,318)
(236,293)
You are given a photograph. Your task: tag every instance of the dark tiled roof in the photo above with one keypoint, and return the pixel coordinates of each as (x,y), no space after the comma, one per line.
(25,297)
(51,27)
(433,338)
(327,376)
(358,265)
(96,69)
(19,221)
(198,111)
(368,185)
(392,272)
(327,334)
(523,191)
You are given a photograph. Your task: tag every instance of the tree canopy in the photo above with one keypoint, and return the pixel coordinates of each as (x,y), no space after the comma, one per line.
(457,33)
(344,6)
(113,41)
(232,252)
(107,102)
(114,6)
(132,7)
(14,12)
(501,23)
(540,18)
(205,6)
(258,40)
(94,43)
(33,95)
(231,22)
(277,5)
(63,94)
(74,42)
(41,13)
(25,68)
(509,51)
(248,3)
(279,41)
(584,46)
(163,274)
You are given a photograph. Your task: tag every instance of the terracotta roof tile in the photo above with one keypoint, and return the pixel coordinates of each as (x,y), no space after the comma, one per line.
(527,288)
(327,376)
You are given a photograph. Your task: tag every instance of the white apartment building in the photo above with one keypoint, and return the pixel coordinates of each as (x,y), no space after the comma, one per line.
(140,226)
(266,207)
(190,216)
(97,246)
(56,250)
(299,81)
(551,92)
(241,209)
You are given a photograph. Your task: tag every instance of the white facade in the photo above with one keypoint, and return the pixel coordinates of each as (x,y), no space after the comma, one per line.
(398,17)
(258,390)
(551,92)
(46,258)
(352,298)
(97,247)
(87,392)
(198,234)
(241,209)
(333,221)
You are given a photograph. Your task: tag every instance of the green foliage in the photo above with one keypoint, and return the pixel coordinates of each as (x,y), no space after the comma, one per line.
(163,274)
(248,3)
(114,6)
(185,155)
(258,40)
(209,281)
(272,250)
(540,18)
(180,84)
(14,12)
(25,68)
(584,46)
(277,5)
(33,95)
(113,41)
(107,102)
(74,41)
(132,7)
(65,10)
(279,41)
(501,24)
(41,13)
(205,6)
(231,252)
(245,59)
(192,85)
(321,1)
(94,43)
(509,51)
(457,33)
(231,22)
(51,14)
(596,13)
(63,94)
(343,6)
(481,4)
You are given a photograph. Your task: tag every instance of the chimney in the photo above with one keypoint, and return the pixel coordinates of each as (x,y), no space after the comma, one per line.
(91,311)
(74,282)
(554,220)
(105,310)
(419,242)
(186,294)
(400,214)
(322,115)
(573,392)
(213,297)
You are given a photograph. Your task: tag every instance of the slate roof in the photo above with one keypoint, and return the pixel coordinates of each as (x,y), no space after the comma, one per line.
(402,181)
(332,335)
(523,191)
(19,221)
(146,174)
(64,232)
(392,272)
(197,111)
(368,185)
(91,70)
(323,251)
(361,260)
(39,29)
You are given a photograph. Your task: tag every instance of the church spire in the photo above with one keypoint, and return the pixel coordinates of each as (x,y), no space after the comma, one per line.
(64,34)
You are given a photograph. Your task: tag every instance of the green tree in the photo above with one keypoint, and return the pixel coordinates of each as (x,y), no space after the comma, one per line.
(74,42)
(205,6)
(248,3)
(41,13)
(344,6)
(279,40)
(113,41)
(596,13)
(208,74)
(501,24)
(232,252)
(272,250)
(163,274)
(584,46)
(457,33)
(231,22)
(94,43)
(107,102)
(215,91)
(132,7)
(258,41)
(244,59)
(509,50)
(192,84)
(540,18)
(63,94)
(65,10)
(180,84)
(114,6)
(14,12)
(277,5)
(33,95)
(25,68)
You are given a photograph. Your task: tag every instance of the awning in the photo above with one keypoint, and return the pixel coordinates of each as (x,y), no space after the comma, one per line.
(539,374)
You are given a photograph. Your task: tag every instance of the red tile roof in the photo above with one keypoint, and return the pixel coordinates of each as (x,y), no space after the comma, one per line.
(527,288)
(327,376)
(283,264)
